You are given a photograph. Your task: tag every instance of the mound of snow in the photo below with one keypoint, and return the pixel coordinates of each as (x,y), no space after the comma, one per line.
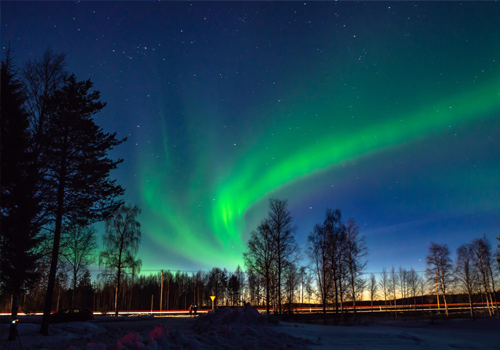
(239,316)
(239,328)
(244,328)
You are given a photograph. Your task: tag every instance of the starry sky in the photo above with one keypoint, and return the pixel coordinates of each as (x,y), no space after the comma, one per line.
(387,110)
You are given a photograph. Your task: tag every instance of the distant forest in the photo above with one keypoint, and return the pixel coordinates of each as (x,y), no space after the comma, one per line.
(55,186)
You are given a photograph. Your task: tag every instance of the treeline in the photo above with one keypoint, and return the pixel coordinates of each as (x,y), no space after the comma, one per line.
(474,272)
(334,277)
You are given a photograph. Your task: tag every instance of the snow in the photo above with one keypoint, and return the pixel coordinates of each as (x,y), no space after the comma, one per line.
(459,334)
(244,328)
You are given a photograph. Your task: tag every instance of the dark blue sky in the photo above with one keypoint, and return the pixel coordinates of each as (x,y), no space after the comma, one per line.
(387,110)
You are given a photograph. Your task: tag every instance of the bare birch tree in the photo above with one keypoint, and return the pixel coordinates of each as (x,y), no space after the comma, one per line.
(260,256)
(440,267)
(78,248)
(393,288)
(402,282)
(335,234)
(466,272)
(483,261)
(412,281)
(317,250)
(355,254)
(121,242)
(383,283)
(421,286)
(283,238)
(372,289)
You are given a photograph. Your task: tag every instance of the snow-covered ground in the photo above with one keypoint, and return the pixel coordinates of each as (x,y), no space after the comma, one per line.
(244,328)
(455,334)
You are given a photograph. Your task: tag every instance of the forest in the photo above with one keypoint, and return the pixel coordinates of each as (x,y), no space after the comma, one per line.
(56,185)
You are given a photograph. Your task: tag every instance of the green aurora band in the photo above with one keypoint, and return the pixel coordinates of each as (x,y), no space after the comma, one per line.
(253,183)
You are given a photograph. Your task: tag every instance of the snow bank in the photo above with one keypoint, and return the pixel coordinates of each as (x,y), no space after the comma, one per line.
(239,328)
(244,328)
(246,315)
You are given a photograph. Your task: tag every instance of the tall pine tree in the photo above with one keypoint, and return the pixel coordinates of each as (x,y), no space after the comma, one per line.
(20,205)
(79,166)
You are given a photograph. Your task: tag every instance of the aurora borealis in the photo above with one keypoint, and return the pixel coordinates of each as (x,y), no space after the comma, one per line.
(389,111)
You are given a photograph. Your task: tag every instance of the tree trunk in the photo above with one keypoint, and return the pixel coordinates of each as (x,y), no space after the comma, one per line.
(14,309)
(279,282)
(74,288)
(341,290)
(471,305)
(445,305)
(395,311)
(131,291)
(58,297)
(487,299)
(161,293)
(353,296)
(494,292)
(44,330)
(117,288)
(267,292)
(324,296)
(372,307)
(336,294)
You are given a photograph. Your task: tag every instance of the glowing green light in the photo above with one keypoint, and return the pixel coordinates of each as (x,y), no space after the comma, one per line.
(251,181)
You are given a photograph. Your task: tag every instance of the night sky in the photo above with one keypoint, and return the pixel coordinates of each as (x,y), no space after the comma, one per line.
(389,111)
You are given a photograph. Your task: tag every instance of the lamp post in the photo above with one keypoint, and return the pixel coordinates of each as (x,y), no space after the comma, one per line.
(161,292)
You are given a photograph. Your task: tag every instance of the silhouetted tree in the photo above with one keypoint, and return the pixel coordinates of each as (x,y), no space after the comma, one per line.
(402,283)
(79,166)
(283,235)
(335,235)
(79,245)
(234,289)
(317,249)
(393,287)
(214,284)
(384,284)
(240,276)
(355,254)
(260,256)
(223,285)
(421,282)
(439,265)
(41,79)
(121,242)
(372,288)
(85,291)
(253,287)
(483,260)
(21,213)
(466,273)
(305,281)
(412,282)
(291,280)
